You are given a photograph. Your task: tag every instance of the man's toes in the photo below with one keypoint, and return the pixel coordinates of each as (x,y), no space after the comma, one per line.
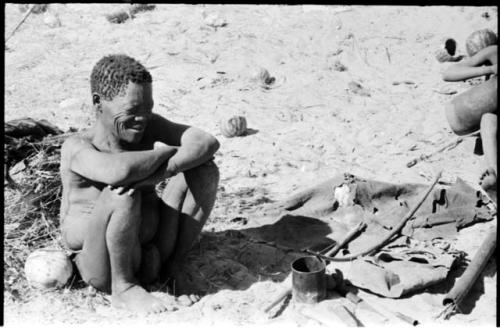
(159,307)
(184,300)
(170,307)
(194,298)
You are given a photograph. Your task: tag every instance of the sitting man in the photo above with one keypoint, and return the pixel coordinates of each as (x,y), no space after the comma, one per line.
(479,112)
(111,215)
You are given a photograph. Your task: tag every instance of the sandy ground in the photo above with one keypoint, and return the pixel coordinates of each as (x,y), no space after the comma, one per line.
(307,127)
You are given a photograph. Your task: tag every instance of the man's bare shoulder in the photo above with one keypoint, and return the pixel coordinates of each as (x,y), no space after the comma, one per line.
(164,130)
(76,142)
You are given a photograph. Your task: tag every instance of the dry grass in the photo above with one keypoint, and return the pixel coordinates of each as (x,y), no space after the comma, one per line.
(31,207)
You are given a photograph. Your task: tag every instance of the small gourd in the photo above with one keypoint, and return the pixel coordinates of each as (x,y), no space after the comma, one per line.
(48,268)
(234,126)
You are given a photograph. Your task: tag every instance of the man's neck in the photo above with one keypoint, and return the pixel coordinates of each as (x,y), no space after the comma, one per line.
(104,139)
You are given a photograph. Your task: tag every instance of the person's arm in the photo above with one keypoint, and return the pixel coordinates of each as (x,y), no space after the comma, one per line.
(471,67)
(115,169)
(460,73)
(195,146)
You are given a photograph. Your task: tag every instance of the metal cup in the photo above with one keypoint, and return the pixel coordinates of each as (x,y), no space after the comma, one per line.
(308,280)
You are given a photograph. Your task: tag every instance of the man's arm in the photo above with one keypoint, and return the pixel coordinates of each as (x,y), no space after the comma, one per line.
(471,67)
(195,146)
(115,169)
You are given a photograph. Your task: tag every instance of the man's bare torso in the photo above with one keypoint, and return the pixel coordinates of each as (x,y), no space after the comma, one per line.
(80,193)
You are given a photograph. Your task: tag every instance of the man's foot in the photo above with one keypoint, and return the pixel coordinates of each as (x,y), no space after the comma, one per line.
(137,299)
(188,300)
(488,181)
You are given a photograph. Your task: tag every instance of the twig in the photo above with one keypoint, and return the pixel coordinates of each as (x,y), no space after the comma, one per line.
(445,92)
(278,299)
(360,227)
(388,54)
(20,23)
(448,146)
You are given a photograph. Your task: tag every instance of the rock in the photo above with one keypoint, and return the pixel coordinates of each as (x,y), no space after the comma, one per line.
(214,20)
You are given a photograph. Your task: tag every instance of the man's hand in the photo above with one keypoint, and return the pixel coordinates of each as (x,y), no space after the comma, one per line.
(493,69)
(122,190)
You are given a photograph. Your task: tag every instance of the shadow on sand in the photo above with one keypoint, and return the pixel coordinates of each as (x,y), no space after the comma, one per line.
(236,259)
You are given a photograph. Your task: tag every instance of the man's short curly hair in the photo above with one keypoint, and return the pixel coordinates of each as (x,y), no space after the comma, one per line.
(111,75)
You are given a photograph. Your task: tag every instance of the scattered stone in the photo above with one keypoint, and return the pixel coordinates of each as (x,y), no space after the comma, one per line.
(262,76)
(358,89)
(119,17)
(339,67)
(214,20)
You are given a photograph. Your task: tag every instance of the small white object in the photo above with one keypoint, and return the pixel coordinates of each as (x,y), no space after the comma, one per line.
(51,20)
(214,20)
(344,195)
(48,268)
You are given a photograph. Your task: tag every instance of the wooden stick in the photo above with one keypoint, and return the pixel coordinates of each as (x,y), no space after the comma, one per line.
(380,244)
(406,318)
(20,22)
(469,277)
(448,146)
(350,235)
(278,299)
(391,234)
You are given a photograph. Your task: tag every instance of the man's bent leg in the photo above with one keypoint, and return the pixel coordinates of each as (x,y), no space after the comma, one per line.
(122,238)
(193,196)
(110,254)
(202,183)
(172,198)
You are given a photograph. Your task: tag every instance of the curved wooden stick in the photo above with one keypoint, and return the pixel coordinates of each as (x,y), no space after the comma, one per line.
(396,230)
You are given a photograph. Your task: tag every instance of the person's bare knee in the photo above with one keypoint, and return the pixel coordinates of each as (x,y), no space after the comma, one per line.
(489,122)
(202,181)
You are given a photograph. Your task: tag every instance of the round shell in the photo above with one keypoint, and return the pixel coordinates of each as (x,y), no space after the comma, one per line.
(48,268)
(235,126)
(479,40)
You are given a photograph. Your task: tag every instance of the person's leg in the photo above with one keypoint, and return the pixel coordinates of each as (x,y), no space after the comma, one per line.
(488,180)
(110,254)
(188,200)
(202,183)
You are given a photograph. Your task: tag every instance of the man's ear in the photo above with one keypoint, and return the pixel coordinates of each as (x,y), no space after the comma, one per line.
(96,101)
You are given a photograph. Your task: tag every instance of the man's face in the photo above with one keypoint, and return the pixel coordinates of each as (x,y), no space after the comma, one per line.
(128,114)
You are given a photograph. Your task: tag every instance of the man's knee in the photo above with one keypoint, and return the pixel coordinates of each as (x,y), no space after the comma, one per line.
(207,173)
(489,122)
